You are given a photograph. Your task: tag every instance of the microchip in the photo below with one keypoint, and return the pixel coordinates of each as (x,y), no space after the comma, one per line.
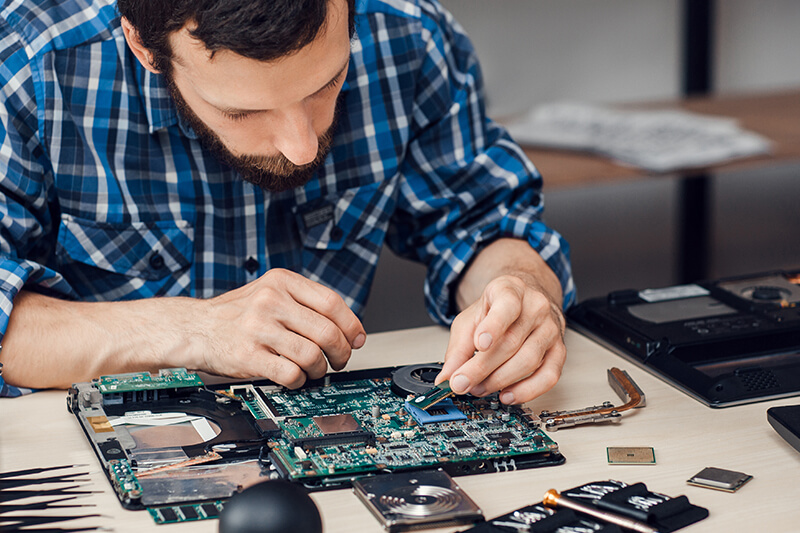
(719,479)
(453,433)
(210,510)
(433,396)
(631,456)
(332,424)
(507,435)
(463,444)
(189,512)
(168,514)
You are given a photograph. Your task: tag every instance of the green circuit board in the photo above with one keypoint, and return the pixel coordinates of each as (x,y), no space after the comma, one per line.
(180,448)
(338,430)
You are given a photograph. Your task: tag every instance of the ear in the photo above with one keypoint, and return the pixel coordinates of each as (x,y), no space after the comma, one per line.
(144,55)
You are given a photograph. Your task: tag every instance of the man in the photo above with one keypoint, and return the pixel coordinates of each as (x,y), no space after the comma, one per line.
(209,184)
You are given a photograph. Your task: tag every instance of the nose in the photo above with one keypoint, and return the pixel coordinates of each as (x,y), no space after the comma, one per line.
(295,137)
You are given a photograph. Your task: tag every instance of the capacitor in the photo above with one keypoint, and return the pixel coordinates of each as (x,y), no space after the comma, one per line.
(494,404)
(376,411)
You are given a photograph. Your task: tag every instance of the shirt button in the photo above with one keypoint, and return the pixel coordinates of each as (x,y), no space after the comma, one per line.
(156,261)
(337,233)
(251,265)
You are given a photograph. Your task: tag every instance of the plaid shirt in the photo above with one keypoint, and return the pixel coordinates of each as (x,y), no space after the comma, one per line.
(106,195)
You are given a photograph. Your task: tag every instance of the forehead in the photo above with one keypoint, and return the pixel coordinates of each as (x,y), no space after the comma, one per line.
(228,79)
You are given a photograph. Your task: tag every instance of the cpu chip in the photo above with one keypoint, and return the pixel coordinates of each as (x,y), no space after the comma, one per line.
(719,479)
(333,424)
(631,456)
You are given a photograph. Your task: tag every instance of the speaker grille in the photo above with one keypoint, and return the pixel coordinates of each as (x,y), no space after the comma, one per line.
(757,379)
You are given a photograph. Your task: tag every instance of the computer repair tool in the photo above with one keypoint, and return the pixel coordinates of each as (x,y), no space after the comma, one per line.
(597,502)
(553,499)
(623,385)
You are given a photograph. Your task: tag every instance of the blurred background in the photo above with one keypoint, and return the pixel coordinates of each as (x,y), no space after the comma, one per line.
(624,234)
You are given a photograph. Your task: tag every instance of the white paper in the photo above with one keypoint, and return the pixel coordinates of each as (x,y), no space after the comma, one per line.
(659,141)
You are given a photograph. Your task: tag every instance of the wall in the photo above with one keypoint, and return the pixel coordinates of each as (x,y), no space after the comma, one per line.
(535,51)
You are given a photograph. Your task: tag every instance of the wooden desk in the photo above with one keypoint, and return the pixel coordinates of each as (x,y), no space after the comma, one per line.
(775,115)
(687,436)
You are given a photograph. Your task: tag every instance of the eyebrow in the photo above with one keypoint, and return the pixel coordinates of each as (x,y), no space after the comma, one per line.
(237,111)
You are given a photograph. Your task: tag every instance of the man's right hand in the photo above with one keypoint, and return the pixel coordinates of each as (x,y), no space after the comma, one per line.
(281,326)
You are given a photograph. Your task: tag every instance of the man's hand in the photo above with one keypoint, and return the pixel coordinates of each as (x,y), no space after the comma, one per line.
(511,338)
(281,326)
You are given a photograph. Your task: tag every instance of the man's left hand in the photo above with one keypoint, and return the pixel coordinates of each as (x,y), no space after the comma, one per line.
(510,339)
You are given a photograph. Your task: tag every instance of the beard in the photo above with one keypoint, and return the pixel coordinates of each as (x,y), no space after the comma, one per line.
(271,173)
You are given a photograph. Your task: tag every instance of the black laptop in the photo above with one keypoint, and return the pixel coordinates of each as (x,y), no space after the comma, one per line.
(724,342)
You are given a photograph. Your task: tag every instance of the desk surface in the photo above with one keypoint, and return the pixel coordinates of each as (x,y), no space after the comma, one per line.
(37,431)
(775,115)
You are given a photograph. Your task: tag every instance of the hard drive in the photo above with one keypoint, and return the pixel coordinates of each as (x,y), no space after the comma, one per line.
(412,500)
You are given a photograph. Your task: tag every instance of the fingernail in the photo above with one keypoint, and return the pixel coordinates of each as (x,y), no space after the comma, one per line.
(484,341)
(459,384)
(480,390)
(359,341)
(507,398)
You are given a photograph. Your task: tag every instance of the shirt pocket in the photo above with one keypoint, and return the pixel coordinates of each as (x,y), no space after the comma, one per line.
(354,216)
(114,261)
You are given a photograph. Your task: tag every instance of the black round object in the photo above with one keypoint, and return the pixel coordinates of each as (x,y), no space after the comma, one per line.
(767,293)
(415,379)
(274,506)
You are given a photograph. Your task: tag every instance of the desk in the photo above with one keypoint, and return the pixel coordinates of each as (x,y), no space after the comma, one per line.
(687,436)
(775,115)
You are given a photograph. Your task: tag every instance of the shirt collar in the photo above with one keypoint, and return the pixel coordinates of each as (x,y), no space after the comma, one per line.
(158,104)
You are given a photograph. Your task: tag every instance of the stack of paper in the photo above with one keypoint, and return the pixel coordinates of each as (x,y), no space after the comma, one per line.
(659,141)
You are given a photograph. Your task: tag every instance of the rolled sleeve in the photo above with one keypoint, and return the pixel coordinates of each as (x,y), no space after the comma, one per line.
(26,249)
(465,182)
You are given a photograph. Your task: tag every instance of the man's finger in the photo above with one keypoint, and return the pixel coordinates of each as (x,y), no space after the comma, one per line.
(542,380)
(460,347)
(278,369)
(319,330)
(324,301)
(303,352)
(504,305)
(526,359)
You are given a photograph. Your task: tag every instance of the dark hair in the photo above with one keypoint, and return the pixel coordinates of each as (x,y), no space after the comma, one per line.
(258,29)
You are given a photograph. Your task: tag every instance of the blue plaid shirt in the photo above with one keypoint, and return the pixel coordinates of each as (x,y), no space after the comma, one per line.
(106,195)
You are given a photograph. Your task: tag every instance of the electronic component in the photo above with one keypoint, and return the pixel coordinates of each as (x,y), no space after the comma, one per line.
(724,342)
(631,456)
(413,380)
(623,385)
(445,411)
(413,500)
(719,479)
(433,396)
(192,445)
